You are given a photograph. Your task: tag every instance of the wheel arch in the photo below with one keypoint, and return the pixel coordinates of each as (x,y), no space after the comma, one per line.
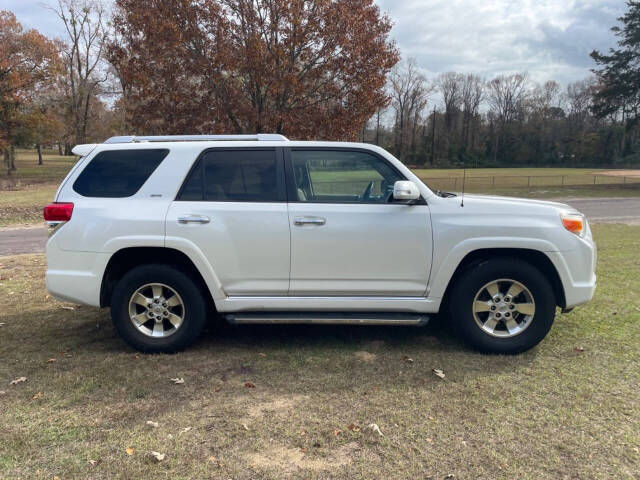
(535,258)
(128,258)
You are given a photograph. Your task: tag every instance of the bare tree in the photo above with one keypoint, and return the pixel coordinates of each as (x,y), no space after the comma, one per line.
(471,97)
(83,56)
(505,96)
(450,86)
(409,95)
(545,97)
(578,98)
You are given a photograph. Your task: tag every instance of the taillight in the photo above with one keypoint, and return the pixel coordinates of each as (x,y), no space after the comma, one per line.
(58,212)
(574,222)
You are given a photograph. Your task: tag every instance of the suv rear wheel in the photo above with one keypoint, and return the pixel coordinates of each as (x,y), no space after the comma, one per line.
(502,305)
(157,308)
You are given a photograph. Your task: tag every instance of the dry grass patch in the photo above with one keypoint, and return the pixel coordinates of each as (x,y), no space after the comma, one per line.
(567,409)
(296,460)
(365,356)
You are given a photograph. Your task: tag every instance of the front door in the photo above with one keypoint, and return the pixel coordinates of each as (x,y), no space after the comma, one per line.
(232,208)
(348,238)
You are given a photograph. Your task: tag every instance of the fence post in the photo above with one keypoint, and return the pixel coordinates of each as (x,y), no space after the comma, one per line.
(455,183)
(528,181)
(493,181)
(624,179)
(562,184)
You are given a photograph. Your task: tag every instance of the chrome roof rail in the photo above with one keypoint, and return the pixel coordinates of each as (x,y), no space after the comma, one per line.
(260,137)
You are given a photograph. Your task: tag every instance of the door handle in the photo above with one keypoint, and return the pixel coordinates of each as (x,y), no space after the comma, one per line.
(200,219)
(299,221)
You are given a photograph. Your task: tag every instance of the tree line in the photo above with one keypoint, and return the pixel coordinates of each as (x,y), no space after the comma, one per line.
(314,69)
(463,119)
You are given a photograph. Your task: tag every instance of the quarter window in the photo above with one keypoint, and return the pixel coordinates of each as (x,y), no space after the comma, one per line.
(118,173)
(234,176)
(342,176)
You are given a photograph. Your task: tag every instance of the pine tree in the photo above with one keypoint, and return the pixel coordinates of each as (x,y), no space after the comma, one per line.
(619,75)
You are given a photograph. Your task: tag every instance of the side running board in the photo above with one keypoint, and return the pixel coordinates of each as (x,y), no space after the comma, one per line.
(328,318)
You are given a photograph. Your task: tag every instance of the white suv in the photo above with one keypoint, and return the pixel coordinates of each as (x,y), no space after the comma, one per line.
(168,230)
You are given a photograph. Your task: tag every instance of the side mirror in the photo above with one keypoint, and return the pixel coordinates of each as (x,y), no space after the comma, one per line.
(405,191)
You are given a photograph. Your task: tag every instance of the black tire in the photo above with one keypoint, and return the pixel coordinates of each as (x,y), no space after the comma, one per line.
(472,280)
(195,308)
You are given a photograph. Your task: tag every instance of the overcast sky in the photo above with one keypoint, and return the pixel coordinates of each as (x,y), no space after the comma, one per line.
(550,39)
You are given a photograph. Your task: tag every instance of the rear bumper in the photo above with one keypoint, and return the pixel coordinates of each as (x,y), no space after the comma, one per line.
(74,277)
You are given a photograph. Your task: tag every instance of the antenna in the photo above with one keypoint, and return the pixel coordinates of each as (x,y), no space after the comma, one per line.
(464,178)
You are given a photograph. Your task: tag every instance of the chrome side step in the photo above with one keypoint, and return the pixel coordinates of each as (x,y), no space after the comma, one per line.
(328,318)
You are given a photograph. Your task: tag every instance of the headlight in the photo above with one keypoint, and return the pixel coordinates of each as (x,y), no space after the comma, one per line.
(575,223)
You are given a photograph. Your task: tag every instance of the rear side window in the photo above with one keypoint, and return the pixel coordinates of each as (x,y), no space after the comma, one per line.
(118,173)
(233,176)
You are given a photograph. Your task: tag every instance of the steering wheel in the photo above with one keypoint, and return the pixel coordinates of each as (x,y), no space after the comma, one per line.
(367,191)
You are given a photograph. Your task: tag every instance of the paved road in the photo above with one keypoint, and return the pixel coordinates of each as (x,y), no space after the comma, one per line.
(607,210)
(14,241)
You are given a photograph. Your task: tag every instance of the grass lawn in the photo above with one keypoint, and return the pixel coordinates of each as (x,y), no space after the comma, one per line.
(294,402)
(26,191)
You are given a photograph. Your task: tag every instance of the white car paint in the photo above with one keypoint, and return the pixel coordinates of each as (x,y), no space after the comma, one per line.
(252,256)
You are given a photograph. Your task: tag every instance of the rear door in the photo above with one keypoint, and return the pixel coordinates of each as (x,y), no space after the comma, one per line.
(232,206)
(348,238)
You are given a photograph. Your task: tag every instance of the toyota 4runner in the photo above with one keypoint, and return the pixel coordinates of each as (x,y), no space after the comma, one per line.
(168,230)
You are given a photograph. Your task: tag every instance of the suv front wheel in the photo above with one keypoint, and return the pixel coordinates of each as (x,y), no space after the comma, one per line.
(157,308)
(502,305)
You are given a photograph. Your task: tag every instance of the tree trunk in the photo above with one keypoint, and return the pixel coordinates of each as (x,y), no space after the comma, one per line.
(39,150)
(12,158)
(67,149)
(60,149)
(433,137)
(5,151)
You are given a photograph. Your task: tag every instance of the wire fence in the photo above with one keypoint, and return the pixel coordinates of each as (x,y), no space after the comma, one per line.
(523,181)
(487,182)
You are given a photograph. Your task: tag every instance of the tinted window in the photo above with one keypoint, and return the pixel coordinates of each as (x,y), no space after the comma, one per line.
(234,176)
(193,187)
(346,176)
(118,173)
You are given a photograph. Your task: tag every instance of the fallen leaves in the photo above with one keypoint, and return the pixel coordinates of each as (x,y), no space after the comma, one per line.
(579,349)
(407,359)
(353,427)
(185,430)
(18,380)
(37,396)
(66,307)
(438,372)
(375,429)
(93,463)
(2,392)
(2,324)
(158,456)
(152,423)
(52,360)
(337,432)
(250,385)
(129,451)
(245,426)
(178,381)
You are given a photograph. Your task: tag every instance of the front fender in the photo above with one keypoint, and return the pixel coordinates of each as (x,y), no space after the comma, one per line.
(443,271)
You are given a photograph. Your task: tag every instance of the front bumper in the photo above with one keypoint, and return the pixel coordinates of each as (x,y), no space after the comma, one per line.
(577,271)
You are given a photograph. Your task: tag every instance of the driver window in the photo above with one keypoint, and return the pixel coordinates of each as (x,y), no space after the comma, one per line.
(342,176)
